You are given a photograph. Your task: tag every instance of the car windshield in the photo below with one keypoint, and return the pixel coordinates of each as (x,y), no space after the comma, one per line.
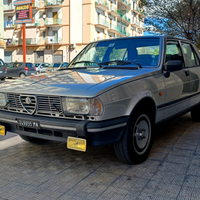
(137,52)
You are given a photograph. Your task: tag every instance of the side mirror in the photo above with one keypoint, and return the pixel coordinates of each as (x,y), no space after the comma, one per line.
(173,65)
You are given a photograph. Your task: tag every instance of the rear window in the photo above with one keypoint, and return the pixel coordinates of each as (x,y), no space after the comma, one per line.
(37,64)
(29,64)
(1,63)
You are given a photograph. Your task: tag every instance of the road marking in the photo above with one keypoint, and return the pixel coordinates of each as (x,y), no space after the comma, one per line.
(10,142)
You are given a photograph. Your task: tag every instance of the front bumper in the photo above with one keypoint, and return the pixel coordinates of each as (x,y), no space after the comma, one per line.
(57,129)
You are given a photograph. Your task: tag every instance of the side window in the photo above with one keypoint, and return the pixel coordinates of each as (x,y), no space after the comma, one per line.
(16,65)
(173,52)
(10,65)
(191,58)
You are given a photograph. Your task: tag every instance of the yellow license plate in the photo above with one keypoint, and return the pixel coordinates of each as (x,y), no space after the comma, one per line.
(2,130)
(76,144)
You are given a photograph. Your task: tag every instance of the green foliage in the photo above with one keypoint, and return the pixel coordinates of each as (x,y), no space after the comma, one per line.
(179,18)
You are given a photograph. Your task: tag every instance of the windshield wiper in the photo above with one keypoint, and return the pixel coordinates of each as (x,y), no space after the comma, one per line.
(137,64)
(122,62)
(87,61)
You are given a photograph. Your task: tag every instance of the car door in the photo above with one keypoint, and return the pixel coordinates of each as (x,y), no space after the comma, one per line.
(9,69)
(17,69)
(177,83)
(193,64)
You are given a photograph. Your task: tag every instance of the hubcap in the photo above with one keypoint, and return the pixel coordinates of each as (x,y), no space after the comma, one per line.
(142,134)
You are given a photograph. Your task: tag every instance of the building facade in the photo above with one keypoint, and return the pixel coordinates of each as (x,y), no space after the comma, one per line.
(2,43)
(62,28)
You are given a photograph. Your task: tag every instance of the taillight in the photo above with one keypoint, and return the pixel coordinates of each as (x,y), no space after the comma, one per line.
(5,69)
(35,68)
(26,68)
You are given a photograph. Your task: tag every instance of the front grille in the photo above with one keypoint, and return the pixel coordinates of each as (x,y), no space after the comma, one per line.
(46,106)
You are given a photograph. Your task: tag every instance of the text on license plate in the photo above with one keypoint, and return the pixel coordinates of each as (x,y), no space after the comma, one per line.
(28,123)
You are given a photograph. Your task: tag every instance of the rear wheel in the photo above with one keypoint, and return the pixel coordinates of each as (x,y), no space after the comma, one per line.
(3,79)
(136,143)
(33,140)
(22,75)
(195,114)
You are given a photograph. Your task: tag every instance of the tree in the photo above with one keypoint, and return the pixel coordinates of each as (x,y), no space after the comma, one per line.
(180,18)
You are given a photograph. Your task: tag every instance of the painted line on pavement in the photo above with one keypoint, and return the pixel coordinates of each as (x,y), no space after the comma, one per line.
(10,142)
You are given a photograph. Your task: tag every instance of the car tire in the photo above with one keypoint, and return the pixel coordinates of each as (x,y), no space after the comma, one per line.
(22,75)
(3,79)
(33,140)
(195,114)
(38,72)
(136,142)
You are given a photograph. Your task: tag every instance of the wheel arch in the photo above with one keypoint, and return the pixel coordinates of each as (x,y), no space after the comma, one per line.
(149,104)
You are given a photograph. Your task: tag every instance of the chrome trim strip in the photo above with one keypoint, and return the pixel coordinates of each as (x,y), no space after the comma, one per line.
(106,128)
(58,127)
(8,120)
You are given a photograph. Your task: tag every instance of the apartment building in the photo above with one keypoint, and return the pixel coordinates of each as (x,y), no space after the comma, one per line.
(62,28)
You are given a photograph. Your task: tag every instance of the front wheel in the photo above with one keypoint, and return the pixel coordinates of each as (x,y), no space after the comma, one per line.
(136,143)
(33,140)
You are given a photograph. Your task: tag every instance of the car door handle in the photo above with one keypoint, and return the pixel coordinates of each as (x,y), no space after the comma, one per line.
(187,72)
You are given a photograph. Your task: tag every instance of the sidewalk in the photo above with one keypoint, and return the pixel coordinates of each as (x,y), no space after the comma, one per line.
(51,171)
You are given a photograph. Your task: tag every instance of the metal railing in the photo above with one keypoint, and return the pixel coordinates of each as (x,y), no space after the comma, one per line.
(52,2)
(53,21)
(103,22)
(31,41)
(36,23)
(101,2)
(8,24)
(53,40)
(123,32)
(114,27)
(10,42)
(9,7)
(113,8)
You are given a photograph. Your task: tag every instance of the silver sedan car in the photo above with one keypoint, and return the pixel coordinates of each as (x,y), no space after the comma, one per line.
(114,92)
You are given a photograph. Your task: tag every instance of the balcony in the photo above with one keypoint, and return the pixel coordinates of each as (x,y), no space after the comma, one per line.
(113,28)
(123,32)
(53,3)
(10,42)
(9,7)
(36,4)
(126,3)
(31,41)
(53,40)
(124,17)
(8,24)
(141,11)
(36,23)
(52,21)
(136,23)
(101,23)
(102,4)
(113,11)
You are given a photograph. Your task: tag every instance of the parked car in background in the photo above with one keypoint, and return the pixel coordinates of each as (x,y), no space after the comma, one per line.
(57,66)
(53,67)
(20,69)
(3,70)
(41,68)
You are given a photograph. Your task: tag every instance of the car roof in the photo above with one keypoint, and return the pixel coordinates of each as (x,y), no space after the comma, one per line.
(146,37)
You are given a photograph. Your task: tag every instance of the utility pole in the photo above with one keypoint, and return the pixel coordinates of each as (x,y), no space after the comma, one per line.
(2,43)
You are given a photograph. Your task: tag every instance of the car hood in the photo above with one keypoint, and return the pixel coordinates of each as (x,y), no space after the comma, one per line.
(82,83)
